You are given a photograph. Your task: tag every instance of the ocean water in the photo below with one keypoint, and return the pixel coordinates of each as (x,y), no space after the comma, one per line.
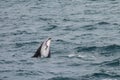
(85,39)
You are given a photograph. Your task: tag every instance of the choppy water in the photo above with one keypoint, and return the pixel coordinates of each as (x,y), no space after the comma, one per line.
(85,39)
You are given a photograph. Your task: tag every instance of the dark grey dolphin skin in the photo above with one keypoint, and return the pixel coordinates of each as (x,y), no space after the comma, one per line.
(43,50)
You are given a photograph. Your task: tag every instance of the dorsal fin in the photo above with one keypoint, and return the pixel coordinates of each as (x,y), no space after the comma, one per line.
(37,53)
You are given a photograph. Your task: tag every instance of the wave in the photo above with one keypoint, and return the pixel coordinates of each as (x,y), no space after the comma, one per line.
(103,50)
(62,41)
(7,62)
(20,32)
(51,27)
(93,76)
(27,72)
(89,27)
(17,45)
(100,76)
(17,32)
(62,78)
(113,63)
(98,25)
(70,28)
(43,18)
(84,49)
(5,71)
(103,23)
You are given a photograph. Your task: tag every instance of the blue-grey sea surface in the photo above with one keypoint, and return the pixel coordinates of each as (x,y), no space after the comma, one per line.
(85,39)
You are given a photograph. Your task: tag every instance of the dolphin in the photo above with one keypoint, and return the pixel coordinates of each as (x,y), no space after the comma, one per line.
(43,50)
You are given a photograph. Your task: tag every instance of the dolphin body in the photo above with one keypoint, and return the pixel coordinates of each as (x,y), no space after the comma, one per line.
(43,50)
